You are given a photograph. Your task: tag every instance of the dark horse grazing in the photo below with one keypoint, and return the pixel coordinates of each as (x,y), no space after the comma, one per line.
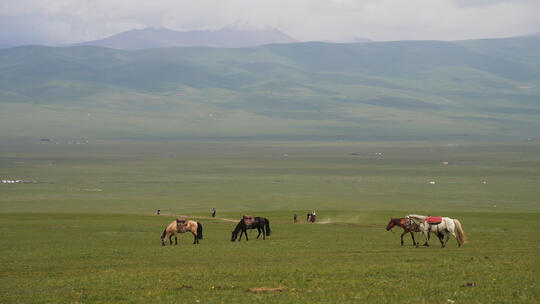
(248,222)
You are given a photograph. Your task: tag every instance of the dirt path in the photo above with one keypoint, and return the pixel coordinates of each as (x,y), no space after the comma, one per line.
(324,221)
(205,217)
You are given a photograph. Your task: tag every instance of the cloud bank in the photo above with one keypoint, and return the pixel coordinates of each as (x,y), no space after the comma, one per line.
(69,21)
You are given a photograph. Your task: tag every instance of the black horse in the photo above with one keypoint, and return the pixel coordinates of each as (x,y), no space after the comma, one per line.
(247,222)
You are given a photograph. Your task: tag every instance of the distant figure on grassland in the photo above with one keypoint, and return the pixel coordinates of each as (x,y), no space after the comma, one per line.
(158,212)
(213,212)
(295,218)
(312,216)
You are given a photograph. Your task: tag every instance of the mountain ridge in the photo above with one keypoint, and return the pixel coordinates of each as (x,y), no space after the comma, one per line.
(229,37)
(410,89)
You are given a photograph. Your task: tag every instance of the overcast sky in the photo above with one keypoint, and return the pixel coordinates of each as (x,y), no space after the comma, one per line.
(68,21)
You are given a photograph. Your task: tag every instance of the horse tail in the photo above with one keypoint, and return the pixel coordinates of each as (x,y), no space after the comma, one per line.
(267,223)
(460,233)
(164,233)
(199,231)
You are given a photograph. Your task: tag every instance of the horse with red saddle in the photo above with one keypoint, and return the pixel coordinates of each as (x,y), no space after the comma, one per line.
(439,226)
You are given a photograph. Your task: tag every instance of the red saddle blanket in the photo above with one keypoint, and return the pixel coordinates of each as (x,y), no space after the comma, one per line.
(433,220)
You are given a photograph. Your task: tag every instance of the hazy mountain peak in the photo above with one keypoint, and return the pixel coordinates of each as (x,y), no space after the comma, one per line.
(362,39)
(229,37)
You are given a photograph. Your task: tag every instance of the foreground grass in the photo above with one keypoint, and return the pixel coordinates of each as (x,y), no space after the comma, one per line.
(85,231)
(118,258)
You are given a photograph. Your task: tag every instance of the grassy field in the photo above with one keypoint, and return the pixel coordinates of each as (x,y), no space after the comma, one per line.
(412,90)
(86,231)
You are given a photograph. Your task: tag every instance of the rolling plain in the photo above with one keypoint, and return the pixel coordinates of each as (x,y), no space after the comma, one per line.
(100,139)
(83,226)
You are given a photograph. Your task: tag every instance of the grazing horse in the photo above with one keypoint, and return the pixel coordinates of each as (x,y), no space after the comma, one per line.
(402,222)
(181,226)
(444,225)
(248,222)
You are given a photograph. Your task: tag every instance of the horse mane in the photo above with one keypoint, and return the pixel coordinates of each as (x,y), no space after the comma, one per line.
(417,218)
(239,226)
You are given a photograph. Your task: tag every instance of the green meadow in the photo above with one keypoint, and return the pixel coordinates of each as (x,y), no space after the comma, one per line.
(83,228)
(359,132)
(403,90)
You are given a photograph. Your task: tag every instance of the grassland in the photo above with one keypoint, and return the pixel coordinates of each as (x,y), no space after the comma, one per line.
(86,230)
(408,90)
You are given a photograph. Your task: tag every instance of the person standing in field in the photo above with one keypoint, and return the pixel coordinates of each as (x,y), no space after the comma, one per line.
(213,212)
(295,218)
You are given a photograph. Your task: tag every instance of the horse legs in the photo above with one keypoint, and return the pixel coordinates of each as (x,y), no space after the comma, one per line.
(402,234)
(451,231)
(412,236)
(440,235)
(244,231)
(195,239)
(170,238)
(259,230)
(175,239)
(426,235)
(447,238)
(418,243)
(454,235)
(263,232)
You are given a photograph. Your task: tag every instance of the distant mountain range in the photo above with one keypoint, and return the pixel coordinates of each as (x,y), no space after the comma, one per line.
(475,89)
(152,38)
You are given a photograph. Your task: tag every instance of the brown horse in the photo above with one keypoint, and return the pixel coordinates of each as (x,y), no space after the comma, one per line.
(181,226)
(402,222)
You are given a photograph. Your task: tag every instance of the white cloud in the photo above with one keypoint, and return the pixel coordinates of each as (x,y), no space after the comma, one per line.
(67,21)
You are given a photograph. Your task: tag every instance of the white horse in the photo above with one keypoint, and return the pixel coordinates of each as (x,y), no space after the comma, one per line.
(447,226)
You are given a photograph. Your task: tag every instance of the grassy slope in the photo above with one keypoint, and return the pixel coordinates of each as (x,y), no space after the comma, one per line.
(66,241)
(86,231)
(381,90)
